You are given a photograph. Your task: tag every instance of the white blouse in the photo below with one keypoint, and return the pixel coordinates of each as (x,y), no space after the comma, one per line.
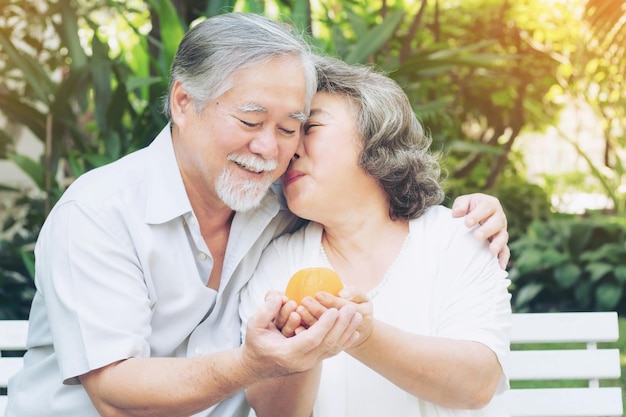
(443,283)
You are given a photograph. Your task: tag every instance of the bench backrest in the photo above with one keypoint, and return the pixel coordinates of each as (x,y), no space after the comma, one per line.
(591,364)
(534,358)
(12,338)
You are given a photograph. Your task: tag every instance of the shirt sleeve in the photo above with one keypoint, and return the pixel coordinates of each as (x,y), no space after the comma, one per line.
(475,302)
(94,291)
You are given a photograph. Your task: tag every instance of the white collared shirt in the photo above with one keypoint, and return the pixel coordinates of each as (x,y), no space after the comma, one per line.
(122,271)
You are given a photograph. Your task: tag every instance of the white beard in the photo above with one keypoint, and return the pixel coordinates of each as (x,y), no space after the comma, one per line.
(241,194)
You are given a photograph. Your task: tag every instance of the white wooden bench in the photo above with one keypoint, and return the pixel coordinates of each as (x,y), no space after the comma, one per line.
(589,363)
(585,362)
(12,338)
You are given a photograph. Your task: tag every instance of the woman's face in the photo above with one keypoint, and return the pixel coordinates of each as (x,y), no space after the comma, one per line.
(324,180)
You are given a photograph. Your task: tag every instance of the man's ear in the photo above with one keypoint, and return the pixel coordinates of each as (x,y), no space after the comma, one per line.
(180,103)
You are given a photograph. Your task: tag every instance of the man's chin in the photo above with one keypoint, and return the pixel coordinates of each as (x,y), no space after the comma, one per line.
(241,195)
(244,201)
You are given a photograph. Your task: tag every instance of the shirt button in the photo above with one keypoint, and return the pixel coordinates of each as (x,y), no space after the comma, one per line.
(202,256)
(198,351)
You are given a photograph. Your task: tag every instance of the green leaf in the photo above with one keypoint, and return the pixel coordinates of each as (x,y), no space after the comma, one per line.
(72,85)
(98,160)
(68,29)
(567,275)
(116,107)
(357,22)
(101,79)
(34,74)
(608,296)
(76,163)
(133,82)
(620,273)
(611,252)
(24,114)
(374,39)
(598,270)
(30,167)
(529,261)
(552,258)
(8,188)
(172,32)
(580,233)
(216,7)
(526,294)
(300,15)
(254,6)
(29,262)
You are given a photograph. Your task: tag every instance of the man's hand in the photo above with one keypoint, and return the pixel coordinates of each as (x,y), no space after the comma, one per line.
(270,353)
(487,212)
(295,318)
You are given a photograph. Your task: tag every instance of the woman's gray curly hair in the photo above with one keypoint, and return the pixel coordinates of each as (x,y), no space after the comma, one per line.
(395,149)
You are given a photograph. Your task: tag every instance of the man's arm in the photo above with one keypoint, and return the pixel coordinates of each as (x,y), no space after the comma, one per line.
(487,212)
(171,387)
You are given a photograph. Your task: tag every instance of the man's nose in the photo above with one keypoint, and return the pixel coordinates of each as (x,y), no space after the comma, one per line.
(265,144)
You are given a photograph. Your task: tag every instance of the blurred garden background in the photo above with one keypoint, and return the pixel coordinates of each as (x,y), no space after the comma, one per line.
(525,98)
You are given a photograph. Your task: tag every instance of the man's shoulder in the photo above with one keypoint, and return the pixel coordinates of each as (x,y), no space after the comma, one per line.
(122,176)
(101,184)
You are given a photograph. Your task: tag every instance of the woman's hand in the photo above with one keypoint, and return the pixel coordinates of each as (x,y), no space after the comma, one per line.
(312,309)
(288,321)
(487,212)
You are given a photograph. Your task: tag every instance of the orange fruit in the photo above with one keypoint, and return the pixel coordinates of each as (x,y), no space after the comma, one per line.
(310,281)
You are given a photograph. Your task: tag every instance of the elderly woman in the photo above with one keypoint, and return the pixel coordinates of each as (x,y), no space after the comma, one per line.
(436,310)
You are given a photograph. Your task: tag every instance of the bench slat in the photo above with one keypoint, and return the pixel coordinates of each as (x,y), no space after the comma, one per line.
(13,334)
(8,368)
(565,402)
(565,327)
(564,364)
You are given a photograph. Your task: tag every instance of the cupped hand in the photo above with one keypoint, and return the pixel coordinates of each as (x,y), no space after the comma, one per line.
(269,353)
(312,308)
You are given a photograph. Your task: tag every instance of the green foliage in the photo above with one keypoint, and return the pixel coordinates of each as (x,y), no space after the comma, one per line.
(478,72)
(570,264)
(87,103)
(523,202)
(23,220)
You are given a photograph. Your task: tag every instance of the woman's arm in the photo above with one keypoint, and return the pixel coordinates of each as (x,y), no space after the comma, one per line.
(448,372)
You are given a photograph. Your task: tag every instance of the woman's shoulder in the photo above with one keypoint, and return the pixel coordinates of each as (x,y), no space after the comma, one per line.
(438,218)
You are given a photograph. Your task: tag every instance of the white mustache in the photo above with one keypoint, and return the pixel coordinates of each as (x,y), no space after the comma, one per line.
(253,163)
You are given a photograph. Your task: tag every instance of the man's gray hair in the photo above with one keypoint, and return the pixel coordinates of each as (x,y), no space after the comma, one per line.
(213,50)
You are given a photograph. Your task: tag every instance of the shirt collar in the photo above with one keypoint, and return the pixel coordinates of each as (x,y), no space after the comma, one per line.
(167,197)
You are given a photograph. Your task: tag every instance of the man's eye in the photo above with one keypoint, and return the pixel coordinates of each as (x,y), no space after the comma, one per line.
(288,132)
(248,124)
